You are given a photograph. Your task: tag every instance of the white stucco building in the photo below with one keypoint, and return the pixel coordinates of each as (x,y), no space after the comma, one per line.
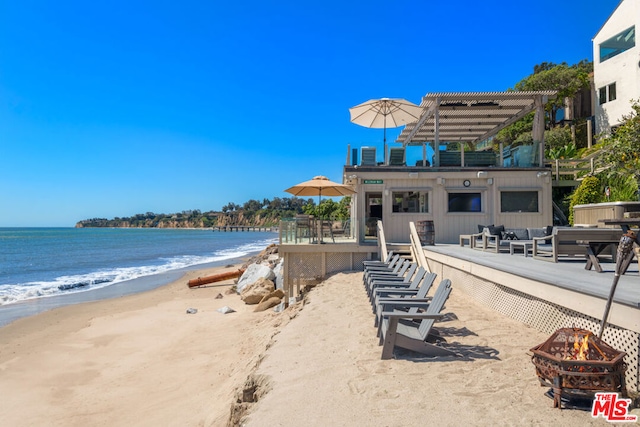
(616,65)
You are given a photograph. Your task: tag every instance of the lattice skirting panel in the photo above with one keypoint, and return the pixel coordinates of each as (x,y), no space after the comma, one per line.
(543,315)
(310,268)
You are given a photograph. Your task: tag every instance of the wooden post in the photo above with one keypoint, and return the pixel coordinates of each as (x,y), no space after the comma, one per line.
(537,132)
(436,134)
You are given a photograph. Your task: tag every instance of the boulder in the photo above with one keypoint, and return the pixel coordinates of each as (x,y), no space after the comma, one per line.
(277,271)
(266,305)
(271,300)
(252,274)
(255,292)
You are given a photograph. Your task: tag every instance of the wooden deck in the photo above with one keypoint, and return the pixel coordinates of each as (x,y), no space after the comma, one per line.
(567,274)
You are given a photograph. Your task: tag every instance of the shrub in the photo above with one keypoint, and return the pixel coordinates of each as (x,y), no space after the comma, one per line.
(587,192)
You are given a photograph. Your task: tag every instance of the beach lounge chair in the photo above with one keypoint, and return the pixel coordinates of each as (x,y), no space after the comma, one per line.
(411,336)
(405,275)
(393,267)
(396,156)
(380,263)
(388,285)
(387,295)
(399,269)
(368,156)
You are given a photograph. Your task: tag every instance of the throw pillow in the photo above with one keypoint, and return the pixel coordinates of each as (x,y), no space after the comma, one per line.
(482,227)
(509,235)
(496,230)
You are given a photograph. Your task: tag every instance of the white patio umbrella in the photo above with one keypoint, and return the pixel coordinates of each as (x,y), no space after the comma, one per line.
(384,113)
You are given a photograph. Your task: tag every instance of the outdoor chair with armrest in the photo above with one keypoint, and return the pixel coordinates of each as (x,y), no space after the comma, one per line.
(414,283)
(390,295)
(379,263)
(410,336)
(393,267)
(382,266)
(398,269)
(404,275)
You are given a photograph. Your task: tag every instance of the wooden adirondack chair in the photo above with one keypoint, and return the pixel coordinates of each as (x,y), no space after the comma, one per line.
(392,294)
(398,273)
(394,284)
(404,275)
(411,336)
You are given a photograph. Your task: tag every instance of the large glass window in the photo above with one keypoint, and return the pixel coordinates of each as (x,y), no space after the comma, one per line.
(410,201)
(465,202)
(519,201)
(607,93)
(618,44)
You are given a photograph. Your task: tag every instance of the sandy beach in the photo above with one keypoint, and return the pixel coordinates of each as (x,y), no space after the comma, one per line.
(142,360)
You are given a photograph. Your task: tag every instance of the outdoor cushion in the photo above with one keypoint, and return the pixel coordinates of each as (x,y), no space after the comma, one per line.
(482,227)
(496,230)
(515,234)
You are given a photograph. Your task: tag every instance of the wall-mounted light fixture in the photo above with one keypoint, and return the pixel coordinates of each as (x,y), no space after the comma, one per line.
(490,181)
(542,174)
(413,174)
(386,192)
(440,180)
(482,174)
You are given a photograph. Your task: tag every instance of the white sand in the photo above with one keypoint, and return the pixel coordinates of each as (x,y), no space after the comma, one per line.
(141,360)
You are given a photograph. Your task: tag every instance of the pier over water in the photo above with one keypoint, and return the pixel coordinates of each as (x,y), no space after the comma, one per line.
(245,228)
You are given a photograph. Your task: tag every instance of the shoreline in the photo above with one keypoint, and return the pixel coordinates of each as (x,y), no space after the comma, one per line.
(30,307)
(139,359)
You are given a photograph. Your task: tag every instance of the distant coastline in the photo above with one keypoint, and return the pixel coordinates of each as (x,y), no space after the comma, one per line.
(185,219)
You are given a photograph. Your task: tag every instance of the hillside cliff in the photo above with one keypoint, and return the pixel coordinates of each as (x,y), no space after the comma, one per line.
(185,220)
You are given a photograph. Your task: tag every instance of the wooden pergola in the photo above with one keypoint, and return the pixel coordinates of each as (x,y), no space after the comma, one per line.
(473,117)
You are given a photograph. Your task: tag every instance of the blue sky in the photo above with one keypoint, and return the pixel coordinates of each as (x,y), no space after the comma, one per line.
(116,108)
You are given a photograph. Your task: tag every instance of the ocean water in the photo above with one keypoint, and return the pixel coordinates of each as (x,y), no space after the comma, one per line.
(39,263)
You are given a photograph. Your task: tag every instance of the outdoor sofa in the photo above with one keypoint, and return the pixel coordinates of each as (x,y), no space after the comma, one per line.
(498,238)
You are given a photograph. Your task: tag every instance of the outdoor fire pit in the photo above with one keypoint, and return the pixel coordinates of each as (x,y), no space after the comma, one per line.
(576,364)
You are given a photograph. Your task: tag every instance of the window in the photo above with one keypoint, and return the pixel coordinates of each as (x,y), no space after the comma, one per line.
(607,93)
(410,201)
(465,202)
(519,201)
(612,91)
(602,95)
(618,44)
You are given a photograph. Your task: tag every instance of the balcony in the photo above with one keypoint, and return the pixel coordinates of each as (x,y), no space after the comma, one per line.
(307,230)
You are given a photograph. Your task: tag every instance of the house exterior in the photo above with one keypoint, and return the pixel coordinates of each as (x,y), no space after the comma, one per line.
(616,66)
(455,199)
(444,173)
(465,183)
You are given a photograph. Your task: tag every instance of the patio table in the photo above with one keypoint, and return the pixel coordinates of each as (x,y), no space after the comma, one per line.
(526,246)
(594,249)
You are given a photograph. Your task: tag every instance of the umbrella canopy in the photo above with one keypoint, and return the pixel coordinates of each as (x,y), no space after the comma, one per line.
(384,113)
(320,186)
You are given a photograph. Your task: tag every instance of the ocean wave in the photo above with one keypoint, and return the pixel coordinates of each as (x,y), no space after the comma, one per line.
(12,293)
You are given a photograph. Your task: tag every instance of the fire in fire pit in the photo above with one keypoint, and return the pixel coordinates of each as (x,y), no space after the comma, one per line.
(577,364)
